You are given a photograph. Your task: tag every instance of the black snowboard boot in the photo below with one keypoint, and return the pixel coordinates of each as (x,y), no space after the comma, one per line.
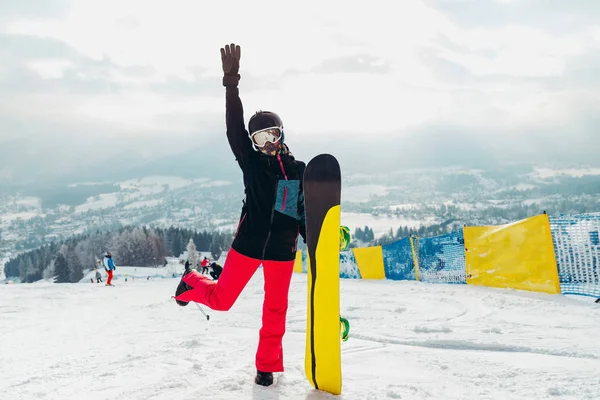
(183,287)
(263,378)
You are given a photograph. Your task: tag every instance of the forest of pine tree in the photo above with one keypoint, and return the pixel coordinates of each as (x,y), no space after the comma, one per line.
(147,247)
(364,237)
(130,246)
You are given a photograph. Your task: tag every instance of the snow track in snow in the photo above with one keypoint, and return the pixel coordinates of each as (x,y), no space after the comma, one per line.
(408,340)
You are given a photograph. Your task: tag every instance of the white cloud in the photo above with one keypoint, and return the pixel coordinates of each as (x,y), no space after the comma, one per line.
(143,111)
(519,51)
(50,69)
(178,39)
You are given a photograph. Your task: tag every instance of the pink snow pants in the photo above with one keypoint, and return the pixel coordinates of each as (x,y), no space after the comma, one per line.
(221,295)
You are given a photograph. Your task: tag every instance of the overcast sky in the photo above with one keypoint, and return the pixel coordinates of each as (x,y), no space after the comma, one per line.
(495,69)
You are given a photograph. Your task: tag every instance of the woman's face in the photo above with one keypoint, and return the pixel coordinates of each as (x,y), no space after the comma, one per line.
(271,149)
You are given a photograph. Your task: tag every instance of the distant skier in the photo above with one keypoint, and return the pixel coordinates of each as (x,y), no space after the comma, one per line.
(204,265)
(272,217)
(216,271)
(98,277)
(109,267)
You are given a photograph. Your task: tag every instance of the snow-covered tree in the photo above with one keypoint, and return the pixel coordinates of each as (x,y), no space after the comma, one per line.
(49,271)
(61,269)
(121,248)
(216,248)
(193,255)
(136,246)
(87,254)
(73,263)
(141,247)
(159,248)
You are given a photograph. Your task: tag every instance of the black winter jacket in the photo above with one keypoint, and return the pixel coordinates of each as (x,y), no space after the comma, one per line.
(273,212)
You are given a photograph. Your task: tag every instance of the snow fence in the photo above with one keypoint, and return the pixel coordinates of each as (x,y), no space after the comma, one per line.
(577,248)
(551,254)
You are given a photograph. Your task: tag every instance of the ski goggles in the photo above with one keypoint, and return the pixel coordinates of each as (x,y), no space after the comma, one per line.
(272,134)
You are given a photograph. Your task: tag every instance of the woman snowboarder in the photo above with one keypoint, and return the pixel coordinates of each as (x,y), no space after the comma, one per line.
(272,217)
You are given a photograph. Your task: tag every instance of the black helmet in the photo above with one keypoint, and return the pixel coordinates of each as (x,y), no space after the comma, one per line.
(264,119)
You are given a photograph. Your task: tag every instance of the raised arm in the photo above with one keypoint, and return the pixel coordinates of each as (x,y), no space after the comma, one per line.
(234,111)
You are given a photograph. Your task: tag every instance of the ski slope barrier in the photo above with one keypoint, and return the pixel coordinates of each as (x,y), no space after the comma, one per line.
(548,254)
(517,256)
(577,251)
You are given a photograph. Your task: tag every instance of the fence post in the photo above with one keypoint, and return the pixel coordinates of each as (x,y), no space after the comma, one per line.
(414,245)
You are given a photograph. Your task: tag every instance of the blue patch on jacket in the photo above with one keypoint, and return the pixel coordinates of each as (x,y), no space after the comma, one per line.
(287,197)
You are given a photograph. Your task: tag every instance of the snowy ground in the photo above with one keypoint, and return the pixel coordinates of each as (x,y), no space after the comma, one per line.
(408,340)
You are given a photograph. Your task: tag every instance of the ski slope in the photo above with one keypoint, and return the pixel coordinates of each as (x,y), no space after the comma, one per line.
(408,340)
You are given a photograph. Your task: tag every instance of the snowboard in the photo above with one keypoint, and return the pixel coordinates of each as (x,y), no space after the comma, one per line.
(322,193)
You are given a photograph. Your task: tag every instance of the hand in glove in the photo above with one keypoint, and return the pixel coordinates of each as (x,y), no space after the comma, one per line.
(230,58)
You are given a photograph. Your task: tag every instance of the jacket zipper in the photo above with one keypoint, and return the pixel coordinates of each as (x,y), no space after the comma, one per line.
(240,225)
(284,197)
(268,234)
(281,165)
(295,247)
(273,208)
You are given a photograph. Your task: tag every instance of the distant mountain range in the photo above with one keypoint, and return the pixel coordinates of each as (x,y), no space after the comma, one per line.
(387,200)
(63,160)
